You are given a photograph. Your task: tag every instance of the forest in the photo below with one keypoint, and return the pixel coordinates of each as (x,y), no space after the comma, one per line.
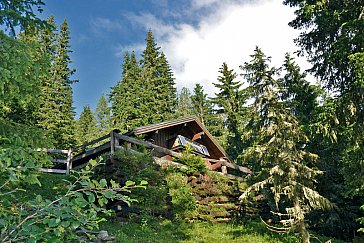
(304,141)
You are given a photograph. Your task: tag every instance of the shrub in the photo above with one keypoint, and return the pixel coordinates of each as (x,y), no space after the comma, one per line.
(195,163)
(129,165)
(183,201)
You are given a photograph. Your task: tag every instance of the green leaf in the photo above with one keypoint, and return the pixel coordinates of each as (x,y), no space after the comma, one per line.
(103,183)
(93,162)
(143,183)
(91,198)
(80,201)
(129,183)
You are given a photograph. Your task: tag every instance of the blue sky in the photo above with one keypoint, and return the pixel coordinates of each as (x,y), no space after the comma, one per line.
(196,35)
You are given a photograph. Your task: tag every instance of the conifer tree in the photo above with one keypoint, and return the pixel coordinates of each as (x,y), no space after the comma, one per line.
(102,115)
(86,128)
(184,103)
(277,147)
(56,114)
(201,105)
(127,96)
(159,94)
(146,92)
(298,93)
(46,113)
(229,102)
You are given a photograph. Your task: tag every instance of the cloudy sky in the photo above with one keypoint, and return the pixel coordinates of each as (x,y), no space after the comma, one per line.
(196,35)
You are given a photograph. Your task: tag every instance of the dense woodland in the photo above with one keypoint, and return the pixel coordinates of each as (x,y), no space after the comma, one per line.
(304,141)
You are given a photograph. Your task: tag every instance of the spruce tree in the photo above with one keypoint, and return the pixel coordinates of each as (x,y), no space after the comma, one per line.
(127,97)
(298,93)
(46,113)
(56,114)
(160,94)
(184,103)
(86,128)
(102,115)
(146,93)
(277,147)
(201,105)
(229,102)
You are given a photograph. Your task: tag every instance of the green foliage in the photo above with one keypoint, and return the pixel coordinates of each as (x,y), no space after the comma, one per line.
(331,32)
(127,165)
(19,75)
(20,13)
(183,201)
(54,112)
(41,219)
(361,220)
(184,103)
(195,163)
(202,107)
(146,92)
(277,148)
(86,128)
(229,102)
(332,37)
(103,116)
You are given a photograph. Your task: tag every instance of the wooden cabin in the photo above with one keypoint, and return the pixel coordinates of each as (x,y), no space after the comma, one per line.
(165,139)
(178,133)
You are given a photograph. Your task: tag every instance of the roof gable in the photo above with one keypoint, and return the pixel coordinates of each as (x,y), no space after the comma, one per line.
(190,121)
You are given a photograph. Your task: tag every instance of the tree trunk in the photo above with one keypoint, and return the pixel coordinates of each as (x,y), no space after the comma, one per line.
(301,223)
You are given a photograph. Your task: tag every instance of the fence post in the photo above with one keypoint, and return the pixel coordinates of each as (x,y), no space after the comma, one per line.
(112,142)
(69,161)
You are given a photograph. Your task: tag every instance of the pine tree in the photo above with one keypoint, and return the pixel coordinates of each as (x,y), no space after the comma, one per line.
(46,113)
(159,94)
(86,128)
(102,115)
(184,103)
(127,97)
(201,105)
(146,92)
(229,102)
(298,93)
(56,115)
(277,147)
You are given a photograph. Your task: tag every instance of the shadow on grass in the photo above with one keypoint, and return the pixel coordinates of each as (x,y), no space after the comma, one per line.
(258,229)
(147,231)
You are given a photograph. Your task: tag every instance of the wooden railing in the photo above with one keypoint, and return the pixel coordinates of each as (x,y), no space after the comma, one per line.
(67,161)
(113,142)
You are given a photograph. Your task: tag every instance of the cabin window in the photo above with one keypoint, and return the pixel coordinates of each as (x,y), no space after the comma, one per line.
(182,141)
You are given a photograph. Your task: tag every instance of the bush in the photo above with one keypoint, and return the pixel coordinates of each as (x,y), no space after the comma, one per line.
(129,165)
(183,201)
(195,164)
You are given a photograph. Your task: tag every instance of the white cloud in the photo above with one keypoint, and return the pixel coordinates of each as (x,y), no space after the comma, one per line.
(101,25)
(228,33)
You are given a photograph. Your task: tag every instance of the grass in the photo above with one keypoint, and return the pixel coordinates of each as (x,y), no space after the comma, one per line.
(155,230)
(179,231)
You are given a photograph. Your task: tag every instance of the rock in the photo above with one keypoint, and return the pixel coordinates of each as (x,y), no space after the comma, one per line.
(103,235)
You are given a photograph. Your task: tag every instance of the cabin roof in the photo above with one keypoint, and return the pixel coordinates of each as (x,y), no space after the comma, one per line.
(190,120)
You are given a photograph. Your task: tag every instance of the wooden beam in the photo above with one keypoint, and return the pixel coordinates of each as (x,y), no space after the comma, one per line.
(90,143)
(102,148)
(53,170)
(148,145)
(224,170)
(112,142)
(197,136)
(215,166)
(233,166)
(59,161)
(63,151)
